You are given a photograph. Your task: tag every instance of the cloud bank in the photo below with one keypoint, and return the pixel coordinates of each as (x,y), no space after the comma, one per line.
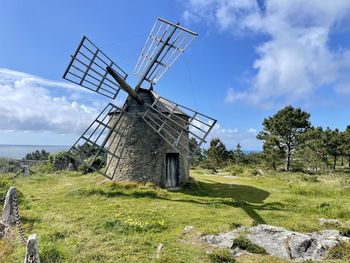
(295,58)
(31,103)
(231,137)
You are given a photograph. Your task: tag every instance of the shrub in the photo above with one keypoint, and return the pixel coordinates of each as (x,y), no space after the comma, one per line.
(191,184)
(51,252)
(131,225)
(246,244)
(310,178)
(37,155)
(4,187)
(340,251)
(60,161)
(235,225)
(9,165)
(97,164)
(221,256)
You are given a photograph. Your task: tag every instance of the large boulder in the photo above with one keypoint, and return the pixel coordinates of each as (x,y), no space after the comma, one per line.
(283,243)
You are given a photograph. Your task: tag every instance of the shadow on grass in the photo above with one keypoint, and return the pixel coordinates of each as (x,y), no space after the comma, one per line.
(211,193)
(246,197)
(214,189)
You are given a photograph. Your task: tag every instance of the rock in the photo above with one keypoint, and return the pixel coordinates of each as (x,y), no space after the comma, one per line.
(8,217)
(328,222)
(188,228)
(159,249)
(282,243)
(223,240)
(260,172)
(270,238)
(32,253)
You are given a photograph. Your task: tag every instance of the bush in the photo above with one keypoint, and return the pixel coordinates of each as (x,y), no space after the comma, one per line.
(341,251)
(60,161)
(51,252)
(97,164)
(245,244)
(132,225)
(221,256)
(191,184)
(37,155)
(4,187)
(9,165)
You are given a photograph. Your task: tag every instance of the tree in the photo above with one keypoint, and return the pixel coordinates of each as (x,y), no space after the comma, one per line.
(37,155)
(313,152)
(334,144)
(217,154)
(273,152)
(346,143)
(196,152)
(287,126)
(237,154)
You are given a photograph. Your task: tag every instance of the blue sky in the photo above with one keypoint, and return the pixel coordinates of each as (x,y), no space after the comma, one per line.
(250,59)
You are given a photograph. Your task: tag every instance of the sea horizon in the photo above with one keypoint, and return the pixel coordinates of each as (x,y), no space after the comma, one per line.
(19,151)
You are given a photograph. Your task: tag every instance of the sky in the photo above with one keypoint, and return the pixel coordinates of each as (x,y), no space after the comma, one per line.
(250,59)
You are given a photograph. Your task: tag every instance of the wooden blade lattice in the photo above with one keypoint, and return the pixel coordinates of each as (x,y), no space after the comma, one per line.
(87,68)
(166,42)
(174,123)
(101,146)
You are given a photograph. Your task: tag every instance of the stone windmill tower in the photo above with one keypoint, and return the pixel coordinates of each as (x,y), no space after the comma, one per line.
(146,140)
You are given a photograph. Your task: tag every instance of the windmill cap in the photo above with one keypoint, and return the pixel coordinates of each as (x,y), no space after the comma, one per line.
(162,105)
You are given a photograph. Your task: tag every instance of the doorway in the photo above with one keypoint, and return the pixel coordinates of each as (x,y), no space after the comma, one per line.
(172,177)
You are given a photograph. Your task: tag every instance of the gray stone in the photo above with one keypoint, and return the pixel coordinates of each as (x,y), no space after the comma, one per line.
(25,168)
(159,249)
(330,222)
(188,228)
(8,217)
(223,240)
(270,238)
(32,253)
(283,243)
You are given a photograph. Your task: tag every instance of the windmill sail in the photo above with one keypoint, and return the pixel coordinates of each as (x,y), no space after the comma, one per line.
(101,146)
(87,68)
(174,122)
(166,42)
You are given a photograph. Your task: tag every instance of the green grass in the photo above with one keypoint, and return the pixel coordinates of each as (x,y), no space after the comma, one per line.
(245,244)
(83,218)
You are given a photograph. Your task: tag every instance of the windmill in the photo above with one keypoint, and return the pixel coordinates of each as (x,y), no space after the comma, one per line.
(148,138)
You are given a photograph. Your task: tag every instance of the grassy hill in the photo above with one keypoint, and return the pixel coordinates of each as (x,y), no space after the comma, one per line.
(83,218)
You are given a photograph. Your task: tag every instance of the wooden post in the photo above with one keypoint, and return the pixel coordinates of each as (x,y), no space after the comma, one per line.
(32,252)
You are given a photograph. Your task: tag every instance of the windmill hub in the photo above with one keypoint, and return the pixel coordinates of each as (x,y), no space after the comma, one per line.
(147,140)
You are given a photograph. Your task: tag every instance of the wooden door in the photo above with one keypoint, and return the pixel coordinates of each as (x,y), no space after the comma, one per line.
(172,170)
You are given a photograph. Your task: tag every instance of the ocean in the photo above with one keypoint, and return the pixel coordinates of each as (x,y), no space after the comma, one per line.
(20,151)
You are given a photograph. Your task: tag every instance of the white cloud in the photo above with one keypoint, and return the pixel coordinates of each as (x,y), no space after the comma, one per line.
(252,130)
(231,137)
(295,60)
(31,103)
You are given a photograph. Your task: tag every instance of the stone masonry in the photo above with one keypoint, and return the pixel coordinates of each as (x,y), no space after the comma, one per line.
(142,150)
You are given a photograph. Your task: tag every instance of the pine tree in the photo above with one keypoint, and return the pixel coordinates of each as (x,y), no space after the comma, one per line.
(287,126)
(217,154)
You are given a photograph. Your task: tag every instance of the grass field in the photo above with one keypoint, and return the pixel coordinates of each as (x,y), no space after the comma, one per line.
(83,218)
